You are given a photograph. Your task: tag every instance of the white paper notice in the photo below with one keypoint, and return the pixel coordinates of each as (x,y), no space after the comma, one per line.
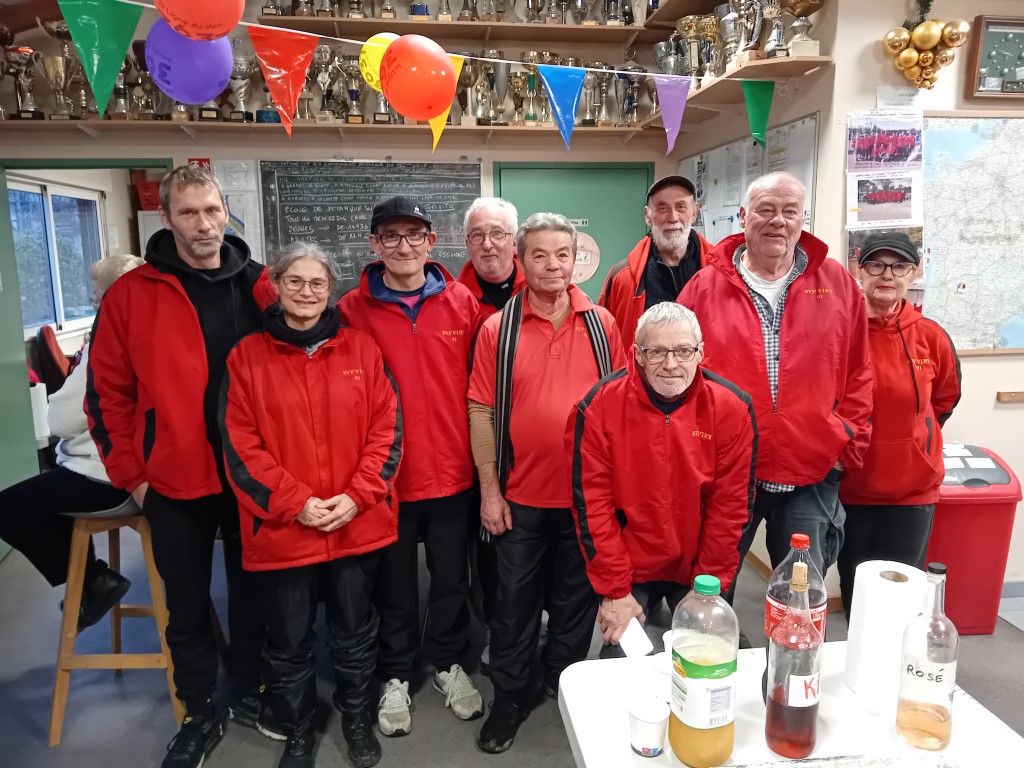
(956,451)
(896,96)
(952,463)
(733,174)
(980,463)
(634,641)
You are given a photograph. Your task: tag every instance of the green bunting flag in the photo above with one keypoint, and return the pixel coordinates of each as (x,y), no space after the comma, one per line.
(758,95)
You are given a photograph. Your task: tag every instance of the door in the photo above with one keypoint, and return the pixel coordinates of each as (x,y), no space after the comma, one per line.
(604,200)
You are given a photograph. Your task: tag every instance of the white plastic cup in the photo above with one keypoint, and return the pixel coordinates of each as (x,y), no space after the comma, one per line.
(648,720)
(666,640)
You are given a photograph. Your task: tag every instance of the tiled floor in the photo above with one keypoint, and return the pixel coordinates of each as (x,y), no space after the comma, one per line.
(1012,610)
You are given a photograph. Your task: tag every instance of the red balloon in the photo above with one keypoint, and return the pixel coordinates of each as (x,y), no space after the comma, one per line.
(417,77)
(201,19)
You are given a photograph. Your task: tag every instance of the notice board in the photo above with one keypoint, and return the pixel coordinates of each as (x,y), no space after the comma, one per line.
(329,203)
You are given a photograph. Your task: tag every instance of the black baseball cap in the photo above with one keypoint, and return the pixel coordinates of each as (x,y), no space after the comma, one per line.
(672,181)
(897,242)
(395,207)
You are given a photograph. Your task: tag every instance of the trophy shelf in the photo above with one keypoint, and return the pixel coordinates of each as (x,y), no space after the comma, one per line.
(725,95)
(475,31)
(671,10)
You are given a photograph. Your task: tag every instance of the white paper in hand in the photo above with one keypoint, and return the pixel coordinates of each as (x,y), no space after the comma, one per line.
(634,641)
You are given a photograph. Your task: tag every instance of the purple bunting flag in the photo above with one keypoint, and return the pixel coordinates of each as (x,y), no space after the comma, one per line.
(672,94)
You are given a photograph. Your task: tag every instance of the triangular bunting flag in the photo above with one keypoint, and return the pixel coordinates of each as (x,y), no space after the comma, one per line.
(672,94)
(102,31)
(758,95)
(564,85)
(437,124)
(284,57)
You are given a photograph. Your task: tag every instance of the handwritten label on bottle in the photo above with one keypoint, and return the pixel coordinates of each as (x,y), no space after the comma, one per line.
(927,681)
(804,690)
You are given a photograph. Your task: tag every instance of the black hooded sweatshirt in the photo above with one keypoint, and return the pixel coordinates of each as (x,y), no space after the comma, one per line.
(225,307)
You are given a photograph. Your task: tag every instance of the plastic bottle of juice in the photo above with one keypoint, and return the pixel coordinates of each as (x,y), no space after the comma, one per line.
(705,641)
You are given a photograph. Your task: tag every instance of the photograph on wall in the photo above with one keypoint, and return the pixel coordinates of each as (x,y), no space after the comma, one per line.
(855,240)
(884,139)
(884,199)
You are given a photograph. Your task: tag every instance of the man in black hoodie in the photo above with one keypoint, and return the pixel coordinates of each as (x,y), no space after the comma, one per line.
(159,352)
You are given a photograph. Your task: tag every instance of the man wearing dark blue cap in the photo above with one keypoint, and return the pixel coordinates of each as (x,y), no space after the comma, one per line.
(424,322)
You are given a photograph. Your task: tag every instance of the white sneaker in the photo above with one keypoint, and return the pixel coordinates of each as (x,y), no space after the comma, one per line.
(394,714)
(460,694)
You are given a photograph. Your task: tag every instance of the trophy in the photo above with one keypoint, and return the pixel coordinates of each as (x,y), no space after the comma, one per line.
(444,11)
(507,11)
(620,89)
(467,79)
(554,16)
(82,102)
(21,61)
(614,18)
(801,44)
(546,114)
(604,82)
(729,31)
(502,75)
(530,118)
(487,10)
(578,9)
(268,112)
(54,70)
(302,8)
(635,77)
(323,69)
(517,83)
(589,95)
(272,8)
(667,56)
(304,108)
(571,61)
(687,28)
(468,12)
(533,11)
(119,111)
(241,71)
(775,47)
(652,95)
(142,93)
(323,9)
(710,48)
(751,13)
(484,88)
(594,17)
(353,88)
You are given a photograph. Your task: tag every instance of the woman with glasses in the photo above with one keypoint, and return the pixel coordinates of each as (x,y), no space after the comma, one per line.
(312,434)
(890,500)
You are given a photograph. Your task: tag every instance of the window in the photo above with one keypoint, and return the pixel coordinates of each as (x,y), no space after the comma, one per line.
(56,239)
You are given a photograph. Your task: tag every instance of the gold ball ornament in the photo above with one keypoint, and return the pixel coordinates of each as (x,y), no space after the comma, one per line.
(933,78)
(912,73)
(944,57)
(926,58)
(926,35)
(955,33)
(919,81)
(929,84)
(896,40)
(927,72)
(907,58)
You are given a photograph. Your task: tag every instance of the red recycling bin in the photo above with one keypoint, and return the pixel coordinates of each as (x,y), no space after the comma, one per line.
(971,534)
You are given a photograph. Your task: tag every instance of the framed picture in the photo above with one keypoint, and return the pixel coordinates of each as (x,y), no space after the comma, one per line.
(995,67)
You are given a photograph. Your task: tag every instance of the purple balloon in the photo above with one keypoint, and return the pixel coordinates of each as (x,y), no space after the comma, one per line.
(191,71)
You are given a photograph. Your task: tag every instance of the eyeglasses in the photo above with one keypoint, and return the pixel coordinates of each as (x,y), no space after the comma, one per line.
(496,235)
(295,283)
(899,269)
(659,354)
(392,239)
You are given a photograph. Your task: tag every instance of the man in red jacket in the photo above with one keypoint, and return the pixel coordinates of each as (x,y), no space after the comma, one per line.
(157,358)
(662,262)
(788,325)
(648,525)
(424,323)
(492,273)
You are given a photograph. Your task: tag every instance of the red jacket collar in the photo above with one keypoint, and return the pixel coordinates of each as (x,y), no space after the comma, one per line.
(721,256)
(469,278)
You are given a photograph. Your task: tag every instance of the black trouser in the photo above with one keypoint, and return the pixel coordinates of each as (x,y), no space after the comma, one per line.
(483,564)
(291,596)
(441,524)
(648,594)
(882,532)
(183,535)
(32,523)
(541,542)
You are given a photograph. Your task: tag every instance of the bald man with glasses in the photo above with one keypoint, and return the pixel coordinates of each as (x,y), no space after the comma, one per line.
(424,322)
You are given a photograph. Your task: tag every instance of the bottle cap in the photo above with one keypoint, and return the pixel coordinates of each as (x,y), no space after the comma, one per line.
(800,541)
(707,585)
(939,569)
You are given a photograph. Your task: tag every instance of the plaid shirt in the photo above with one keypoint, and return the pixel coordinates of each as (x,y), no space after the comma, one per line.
(771,324)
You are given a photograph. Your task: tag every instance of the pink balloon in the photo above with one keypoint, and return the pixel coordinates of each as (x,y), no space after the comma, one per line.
(191,71)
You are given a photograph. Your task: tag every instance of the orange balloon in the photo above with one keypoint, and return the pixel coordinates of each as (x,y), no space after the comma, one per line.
(201,19)
(417,77)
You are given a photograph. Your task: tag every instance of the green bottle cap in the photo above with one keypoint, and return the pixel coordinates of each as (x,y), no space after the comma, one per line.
(707,585)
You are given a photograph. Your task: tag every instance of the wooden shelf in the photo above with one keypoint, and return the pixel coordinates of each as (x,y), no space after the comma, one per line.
(476,32)
(671,10)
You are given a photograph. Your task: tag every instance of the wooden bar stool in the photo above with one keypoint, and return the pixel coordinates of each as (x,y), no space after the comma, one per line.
(111,521)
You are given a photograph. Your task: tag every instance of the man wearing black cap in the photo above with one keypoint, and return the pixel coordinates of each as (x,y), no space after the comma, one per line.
(424,322)
(662,262)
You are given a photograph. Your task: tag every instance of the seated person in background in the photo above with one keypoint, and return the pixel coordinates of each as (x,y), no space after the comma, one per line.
(890,500)
(312,436)
(663,457)
(30,511)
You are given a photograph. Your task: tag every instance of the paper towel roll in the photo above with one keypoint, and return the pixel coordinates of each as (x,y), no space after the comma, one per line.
(37,394)
(886,595)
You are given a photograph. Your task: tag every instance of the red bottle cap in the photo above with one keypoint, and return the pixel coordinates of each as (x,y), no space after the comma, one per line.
(800,541)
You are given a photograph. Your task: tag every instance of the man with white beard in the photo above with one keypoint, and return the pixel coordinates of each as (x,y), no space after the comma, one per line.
(663,454)
(662,262)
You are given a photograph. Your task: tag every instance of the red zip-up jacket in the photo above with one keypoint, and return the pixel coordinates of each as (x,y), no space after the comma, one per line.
(824,395)
(661,497)
(429,357)
(469,278)
(624,294)
(298,424)
(917,385)
(146,381)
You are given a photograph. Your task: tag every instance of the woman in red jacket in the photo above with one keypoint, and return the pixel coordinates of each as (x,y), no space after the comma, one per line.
(312,434)
(891,499)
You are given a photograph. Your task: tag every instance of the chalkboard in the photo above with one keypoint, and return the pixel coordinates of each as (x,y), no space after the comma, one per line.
(330,202)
